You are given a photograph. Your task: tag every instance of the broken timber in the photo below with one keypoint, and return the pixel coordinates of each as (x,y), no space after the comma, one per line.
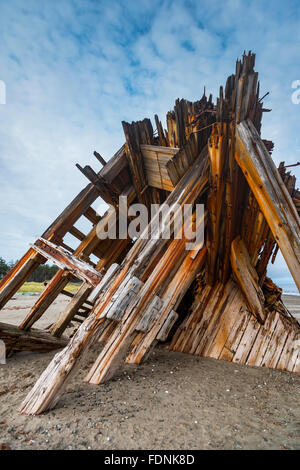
(216,300)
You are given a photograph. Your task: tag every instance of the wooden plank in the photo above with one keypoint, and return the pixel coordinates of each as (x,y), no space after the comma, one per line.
(294,352)
(166,328)
(155,160)
(285,353)
(258,349)
(164,151)
(150,315)
(16,277)
(171,298)
(195,314)
(228,297)
(138,133)
(70,311)
(198,335)
(270,193)
(92,215)
(116,349)
(50,293)
(77,233)
(296,368)
(229,317)
(267,337)
(247,341)
(282,332)
(10,284)
(68,262)
(218,152)
(235,335)
(247,278)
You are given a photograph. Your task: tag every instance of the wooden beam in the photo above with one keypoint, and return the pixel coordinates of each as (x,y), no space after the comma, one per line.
(106,192)
(52,290)
(16,277)
(271,194)
(100,158)
(155,159)
(70,311)
(34,340)
(138,133)
(77,233)
(218,155)
(68,262)
(247,279)
(171,298)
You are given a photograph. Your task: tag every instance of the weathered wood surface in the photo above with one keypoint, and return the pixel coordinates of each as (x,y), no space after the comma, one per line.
(116,349)
(34,340)
(71,309)
(137,133)
(16,277)
(270,193)
(247,278)
(221,326)
(218,151)
(182,160)
(155,163)
(70,263)
(87,246)
(171,298)
(52,290)
(49,387)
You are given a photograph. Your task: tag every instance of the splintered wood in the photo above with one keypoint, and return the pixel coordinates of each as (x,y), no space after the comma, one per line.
(214,300)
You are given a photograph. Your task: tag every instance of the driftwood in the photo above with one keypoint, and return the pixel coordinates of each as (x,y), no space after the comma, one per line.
(33,340)
(214,300)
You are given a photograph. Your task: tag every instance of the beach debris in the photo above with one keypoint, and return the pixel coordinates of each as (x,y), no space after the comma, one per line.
(214,300)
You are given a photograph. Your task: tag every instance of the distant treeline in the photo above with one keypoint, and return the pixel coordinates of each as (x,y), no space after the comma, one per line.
(42,273)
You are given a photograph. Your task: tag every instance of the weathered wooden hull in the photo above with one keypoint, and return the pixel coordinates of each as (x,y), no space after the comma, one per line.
(221,326)
(214,301)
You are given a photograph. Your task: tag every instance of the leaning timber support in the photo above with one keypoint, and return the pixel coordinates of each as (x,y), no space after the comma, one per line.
(81,205)
(218,152)
(15,278)
(116,349)
(171,298)
(53,289)
(271,194)
(50,386)
(72,308)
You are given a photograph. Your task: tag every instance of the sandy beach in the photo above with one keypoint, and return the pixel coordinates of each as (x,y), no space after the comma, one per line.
(173,401)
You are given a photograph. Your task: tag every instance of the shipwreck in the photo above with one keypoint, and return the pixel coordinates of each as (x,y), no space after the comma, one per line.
(214,300)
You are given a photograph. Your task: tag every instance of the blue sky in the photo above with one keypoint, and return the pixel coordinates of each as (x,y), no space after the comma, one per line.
(74,69)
